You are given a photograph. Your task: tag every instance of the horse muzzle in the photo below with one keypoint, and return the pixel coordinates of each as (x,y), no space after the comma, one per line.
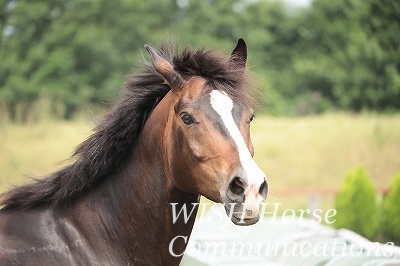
(243,201)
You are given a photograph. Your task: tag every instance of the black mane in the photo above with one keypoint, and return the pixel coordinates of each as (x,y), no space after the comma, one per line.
(114,136)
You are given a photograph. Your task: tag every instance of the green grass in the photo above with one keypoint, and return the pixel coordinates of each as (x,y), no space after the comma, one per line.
(37,150)
(307,152)
(317,151)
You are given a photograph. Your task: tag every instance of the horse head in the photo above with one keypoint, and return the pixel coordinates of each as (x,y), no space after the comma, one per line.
(207,148)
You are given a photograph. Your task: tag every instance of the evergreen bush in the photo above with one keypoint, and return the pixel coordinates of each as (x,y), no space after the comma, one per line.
(356,204)
(391,211)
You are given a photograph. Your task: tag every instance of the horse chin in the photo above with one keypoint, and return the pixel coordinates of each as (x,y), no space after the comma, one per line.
(236,216)
(245,222)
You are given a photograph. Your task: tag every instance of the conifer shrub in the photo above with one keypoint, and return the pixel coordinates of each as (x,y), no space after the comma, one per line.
(356,204)
(390,221)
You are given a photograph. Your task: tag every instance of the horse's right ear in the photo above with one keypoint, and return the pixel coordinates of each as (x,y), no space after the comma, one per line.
(164,68)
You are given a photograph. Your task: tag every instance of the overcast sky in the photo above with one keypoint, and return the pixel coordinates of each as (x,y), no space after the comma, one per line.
(299,3)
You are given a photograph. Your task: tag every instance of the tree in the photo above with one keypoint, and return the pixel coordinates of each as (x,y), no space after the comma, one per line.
(356,204)
(73,52)
(334,55)
(391,211)
(24,24)
(353,56)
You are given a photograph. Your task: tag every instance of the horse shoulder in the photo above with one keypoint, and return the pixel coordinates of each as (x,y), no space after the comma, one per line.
(40,236)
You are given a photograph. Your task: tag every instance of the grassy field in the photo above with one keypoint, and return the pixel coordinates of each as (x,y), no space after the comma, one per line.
(317,151)
(307,152)
(36,150)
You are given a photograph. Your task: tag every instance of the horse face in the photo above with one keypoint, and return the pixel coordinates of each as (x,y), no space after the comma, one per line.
(212,151)
(207,149)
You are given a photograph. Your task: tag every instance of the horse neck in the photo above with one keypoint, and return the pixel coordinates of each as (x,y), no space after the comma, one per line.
(138,197)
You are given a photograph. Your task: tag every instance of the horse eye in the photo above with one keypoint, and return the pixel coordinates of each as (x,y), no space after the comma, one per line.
(251,118)
(187,119)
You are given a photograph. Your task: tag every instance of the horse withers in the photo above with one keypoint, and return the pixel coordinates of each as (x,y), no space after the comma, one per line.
(179,130)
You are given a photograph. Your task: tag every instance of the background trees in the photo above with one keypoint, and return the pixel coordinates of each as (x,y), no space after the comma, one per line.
(70,54)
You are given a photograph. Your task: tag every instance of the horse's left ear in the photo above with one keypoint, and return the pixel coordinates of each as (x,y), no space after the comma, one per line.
(164,68)
(239,54)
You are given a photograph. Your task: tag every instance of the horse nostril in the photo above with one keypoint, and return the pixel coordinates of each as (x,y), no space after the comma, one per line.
(237,187)
(263,189)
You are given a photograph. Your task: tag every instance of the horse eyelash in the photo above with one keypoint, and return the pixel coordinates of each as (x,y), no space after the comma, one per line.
(251,118)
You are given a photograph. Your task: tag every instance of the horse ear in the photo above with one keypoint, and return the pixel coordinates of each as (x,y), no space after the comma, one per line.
(164,68)
(239,54)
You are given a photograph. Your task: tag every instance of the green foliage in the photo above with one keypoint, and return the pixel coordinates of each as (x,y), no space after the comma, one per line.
(72,52)
(356,204)
(391,211)
(362,68)
(340,54)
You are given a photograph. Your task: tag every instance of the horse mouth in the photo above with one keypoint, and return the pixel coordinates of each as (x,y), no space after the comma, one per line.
(238,216)
(244,221)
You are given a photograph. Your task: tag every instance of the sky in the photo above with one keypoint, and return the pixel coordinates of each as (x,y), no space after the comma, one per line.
(299,3)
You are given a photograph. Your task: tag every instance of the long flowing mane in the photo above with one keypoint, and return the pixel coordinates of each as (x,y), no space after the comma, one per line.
(116,134)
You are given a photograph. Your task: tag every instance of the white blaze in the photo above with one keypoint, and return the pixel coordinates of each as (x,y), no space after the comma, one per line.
(223,105)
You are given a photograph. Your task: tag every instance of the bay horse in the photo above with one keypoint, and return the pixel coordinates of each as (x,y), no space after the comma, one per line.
(180,129)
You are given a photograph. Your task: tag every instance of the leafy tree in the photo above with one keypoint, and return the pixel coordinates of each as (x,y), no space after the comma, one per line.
(23,26)
(356,204)
(332,55)
(352,58)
